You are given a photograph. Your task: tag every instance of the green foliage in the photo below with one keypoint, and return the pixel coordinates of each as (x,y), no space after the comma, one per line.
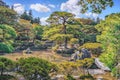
(26,16)
(7,35)
(108,59)
(110,39)
(5,64)
(89,33)
(55,17)
(88,77)
(58,22)
(68,67)
(84,21)
(55,34)
(69,77)
(91,45)
(86,63)
(6,47)
(7,77)
(7,16)
(55,48)
(32,67)
(95,5)
(7,32)
(29,17)
(73,41)
(116,71)
(95,48)
(38,32)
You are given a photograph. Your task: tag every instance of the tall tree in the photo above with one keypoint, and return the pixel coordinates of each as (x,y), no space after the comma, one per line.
(26,16)
(36,20)
(61,18)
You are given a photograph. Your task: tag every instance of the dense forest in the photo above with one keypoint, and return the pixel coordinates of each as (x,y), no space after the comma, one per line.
(63,36)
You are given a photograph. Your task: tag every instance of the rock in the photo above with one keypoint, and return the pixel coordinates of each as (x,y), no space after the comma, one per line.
(81,55)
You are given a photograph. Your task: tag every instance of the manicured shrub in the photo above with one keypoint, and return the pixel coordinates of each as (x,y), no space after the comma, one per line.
(5,64)
(95,48)
(35,68)
(74,41)
(6,47)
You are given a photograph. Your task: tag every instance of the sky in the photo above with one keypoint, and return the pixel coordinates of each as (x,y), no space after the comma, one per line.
(43,8)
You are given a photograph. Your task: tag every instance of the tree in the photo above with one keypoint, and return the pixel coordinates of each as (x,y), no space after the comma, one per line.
(7,16)
(24,30)
(7,35)
(86,63)
(26,16)
(7,32)
(36,20)
(29,16)
(110,39)
(59,21)
(84,21)
(83,29)
(5,64)
(35,68)
(96,6)
(38,31)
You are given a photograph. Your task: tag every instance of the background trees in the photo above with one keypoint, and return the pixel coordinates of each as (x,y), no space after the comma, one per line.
(7,16)
(28,16)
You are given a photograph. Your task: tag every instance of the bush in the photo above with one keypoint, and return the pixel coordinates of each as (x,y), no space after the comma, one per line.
(7,77)
(33,67)
(95,48)
(116,72)
(5,64)
(74,41)
(6,47)
(55,48)
(69,77)
(84,77)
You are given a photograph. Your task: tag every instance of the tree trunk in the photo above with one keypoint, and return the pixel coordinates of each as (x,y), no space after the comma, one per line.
(65,32)
(1,71)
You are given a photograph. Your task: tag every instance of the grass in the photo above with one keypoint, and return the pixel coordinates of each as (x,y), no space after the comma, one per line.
(47,55)
(106,76)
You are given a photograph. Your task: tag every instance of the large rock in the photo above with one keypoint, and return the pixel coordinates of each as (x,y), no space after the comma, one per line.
(84,53)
